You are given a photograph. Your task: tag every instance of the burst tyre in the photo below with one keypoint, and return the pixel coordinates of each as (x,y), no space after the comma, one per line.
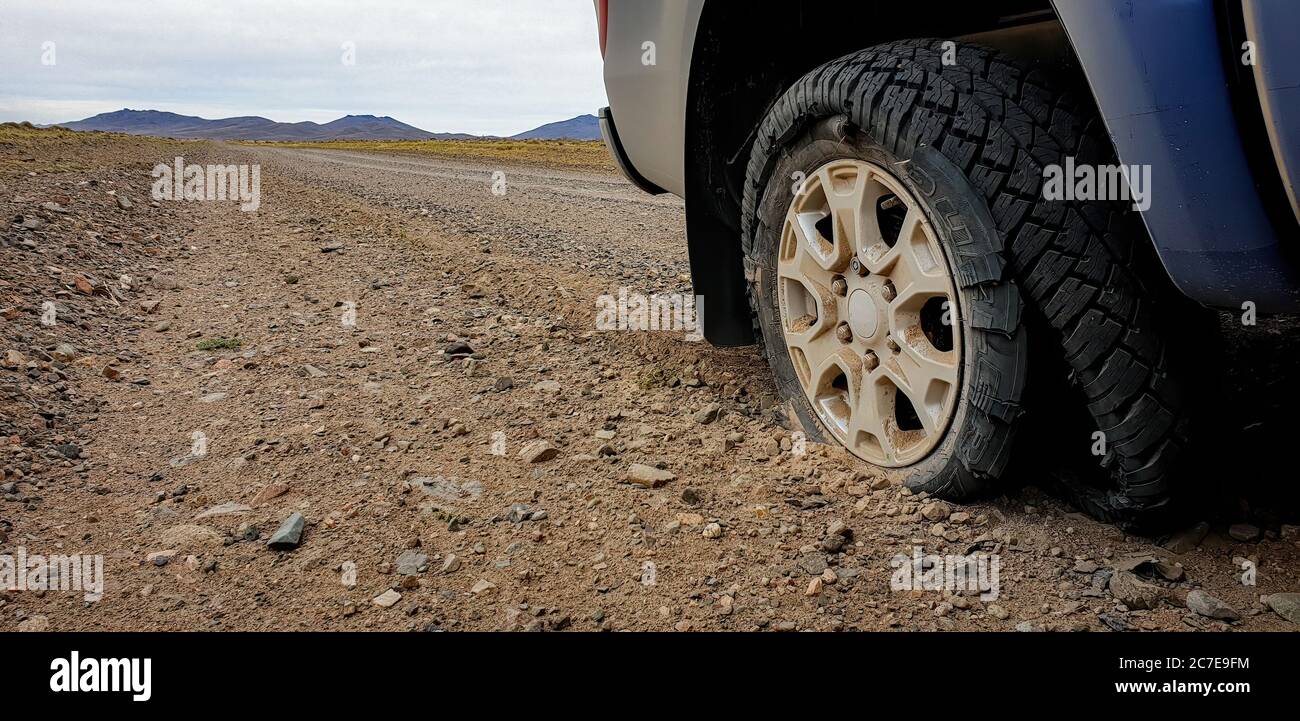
(967,132)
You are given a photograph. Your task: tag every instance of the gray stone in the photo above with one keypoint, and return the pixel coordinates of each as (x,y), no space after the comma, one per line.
(1187,540)
(1286,605)
(289,534)
(833,543)
(707,414)
(411,562)
(519,513)
(1211,607)
(1243,532)
(1134,592)
(814,564)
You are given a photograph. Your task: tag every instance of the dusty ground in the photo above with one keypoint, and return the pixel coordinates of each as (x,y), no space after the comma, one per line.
(385,444)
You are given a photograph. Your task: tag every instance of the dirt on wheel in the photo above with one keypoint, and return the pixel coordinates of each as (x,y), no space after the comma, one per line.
(404,351)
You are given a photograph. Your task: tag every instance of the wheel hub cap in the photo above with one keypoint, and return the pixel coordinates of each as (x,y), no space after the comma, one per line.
(864,316)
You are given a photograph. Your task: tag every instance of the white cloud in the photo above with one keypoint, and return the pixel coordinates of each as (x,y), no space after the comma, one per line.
(484,66)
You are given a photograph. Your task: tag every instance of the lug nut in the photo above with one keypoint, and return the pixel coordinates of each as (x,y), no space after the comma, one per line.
(843,332)
(857,267)
(870,360)
(888,292)
(839,286)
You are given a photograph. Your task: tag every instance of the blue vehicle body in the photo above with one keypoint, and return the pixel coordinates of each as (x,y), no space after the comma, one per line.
(1159,70)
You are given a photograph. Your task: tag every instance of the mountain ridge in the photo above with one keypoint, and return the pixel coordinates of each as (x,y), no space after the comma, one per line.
(349,127)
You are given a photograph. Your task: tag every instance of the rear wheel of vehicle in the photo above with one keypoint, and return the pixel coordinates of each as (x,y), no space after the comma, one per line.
(969,133)
(879,286)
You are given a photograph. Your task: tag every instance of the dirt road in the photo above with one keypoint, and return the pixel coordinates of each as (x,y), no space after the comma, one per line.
(419,374)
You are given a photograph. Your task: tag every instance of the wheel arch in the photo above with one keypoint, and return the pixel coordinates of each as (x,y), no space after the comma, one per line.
(742,62)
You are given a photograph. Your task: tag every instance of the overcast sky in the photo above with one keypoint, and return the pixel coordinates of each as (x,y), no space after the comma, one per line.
(479,66)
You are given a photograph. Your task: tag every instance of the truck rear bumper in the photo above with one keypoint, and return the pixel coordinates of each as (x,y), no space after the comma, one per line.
(610,134)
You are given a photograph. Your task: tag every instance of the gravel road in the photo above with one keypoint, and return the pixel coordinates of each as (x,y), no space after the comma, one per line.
(419,376)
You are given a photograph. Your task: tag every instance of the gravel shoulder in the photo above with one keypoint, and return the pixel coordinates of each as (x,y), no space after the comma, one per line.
(470,453)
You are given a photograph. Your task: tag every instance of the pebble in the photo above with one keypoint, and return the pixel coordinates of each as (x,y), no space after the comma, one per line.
(411,562)
(814,564)
(1211,607)
(648,476)
(1243,532)
(1286,605)
(1134,592)
(937,511)
(1188,539)
(538,452)
(289,534)
(708,414)
(387,599)
(225,509)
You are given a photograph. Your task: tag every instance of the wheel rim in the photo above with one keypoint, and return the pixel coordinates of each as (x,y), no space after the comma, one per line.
(869,313)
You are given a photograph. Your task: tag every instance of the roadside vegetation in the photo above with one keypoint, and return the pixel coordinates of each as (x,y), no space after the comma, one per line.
(582,154)
(27,148)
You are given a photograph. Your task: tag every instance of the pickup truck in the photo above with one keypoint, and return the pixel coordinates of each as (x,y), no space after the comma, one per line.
(950,223)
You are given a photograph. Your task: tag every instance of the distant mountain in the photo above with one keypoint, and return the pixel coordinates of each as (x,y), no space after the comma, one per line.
(172,125)
(583,127)
(348,127)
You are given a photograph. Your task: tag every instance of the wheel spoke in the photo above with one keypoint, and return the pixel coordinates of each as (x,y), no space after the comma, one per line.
(925,383)
(816,341)
(871,410)
(831,248)
(845,188)
(838,403)
(802,261)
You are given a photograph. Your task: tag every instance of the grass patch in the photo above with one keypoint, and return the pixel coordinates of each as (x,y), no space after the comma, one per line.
(219,344)
(653,377)
(581,154)
(26,148)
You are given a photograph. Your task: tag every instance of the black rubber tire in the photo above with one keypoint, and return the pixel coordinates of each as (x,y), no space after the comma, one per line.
(1085,266)
(976,445)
